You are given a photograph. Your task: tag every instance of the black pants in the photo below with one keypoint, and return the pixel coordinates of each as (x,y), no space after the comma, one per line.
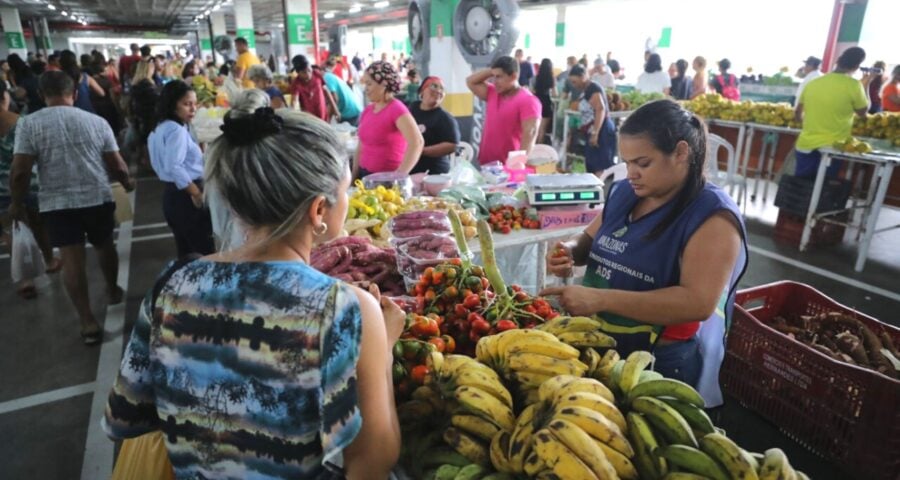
(191,226)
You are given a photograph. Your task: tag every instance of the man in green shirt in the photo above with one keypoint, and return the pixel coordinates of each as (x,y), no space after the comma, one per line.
(826,108)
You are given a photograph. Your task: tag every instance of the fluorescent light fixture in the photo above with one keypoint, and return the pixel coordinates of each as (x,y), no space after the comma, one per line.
(356,8)
(64,13)
(381,4)
(216,7)
(329,15)
(50,6)
(281,26)
(207,12)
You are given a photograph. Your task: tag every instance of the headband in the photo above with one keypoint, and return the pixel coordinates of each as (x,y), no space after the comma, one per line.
(428,81)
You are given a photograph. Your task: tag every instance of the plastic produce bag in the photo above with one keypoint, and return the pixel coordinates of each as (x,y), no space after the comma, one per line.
(144,457)
(464,173)
(27,262)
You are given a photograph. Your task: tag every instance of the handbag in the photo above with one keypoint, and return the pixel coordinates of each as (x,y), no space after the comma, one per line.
(124,212)
(144,457)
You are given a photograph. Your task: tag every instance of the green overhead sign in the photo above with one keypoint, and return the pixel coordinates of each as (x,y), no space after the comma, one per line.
(14,40)
(248,34)
(300,29)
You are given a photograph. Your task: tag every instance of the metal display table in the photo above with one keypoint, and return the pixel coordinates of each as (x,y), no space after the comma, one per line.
(766,161)
(883,164)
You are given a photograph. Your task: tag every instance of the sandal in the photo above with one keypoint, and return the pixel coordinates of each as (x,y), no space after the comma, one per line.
(28,292)
(92,338)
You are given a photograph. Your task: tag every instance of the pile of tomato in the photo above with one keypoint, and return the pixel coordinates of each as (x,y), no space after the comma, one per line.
(506,218)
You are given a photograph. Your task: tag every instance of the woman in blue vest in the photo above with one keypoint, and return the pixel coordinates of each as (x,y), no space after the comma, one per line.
(664,259)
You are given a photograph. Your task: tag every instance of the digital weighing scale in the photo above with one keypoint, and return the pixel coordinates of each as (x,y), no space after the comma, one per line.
(564,189)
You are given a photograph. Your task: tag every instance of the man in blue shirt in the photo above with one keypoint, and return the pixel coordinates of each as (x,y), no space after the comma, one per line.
(347,101)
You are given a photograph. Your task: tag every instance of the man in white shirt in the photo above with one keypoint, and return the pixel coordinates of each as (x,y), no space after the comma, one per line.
(808,72)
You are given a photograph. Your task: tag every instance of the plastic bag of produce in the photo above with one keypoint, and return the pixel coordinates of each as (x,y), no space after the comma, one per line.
(417,224)
(27,262)
(468,196)
(464,173)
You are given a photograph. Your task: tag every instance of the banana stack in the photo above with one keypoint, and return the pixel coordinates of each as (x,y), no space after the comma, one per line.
(528,358)
(468,472)
(574,431)
(672,435)
(580,332)
(473,396)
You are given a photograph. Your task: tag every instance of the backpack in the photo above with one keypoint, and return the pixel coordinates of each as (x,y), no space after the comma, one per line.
(731,90)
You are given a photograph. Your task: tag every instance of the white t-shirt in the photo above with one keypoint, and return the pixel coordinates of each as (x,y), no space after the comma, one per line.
(808,78)
(656,82)
(605,79)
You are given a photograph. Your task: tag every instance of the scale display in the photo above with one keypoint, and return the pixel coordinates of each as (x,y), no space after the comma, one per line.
(556,197)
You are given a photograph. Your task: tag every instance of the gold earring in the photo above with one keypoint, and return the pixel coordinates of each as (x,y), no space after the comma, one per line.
(317,231)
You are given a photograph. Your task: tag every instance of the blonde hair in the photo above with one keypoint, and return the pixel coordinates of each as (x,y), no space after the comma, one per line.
(271,180)
(143,71)
(700,61)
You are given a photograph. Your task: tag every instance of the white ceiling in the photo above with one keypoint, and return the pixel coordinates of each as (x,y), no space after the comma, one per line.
(177,15)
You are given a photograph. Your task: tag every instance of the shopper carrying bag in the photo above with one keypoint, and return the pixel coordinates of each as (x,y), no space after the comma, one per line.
(27,261)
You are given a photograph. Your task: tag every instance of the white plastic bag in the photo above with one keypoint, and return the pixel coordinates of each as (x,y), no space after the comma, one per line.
(27,262)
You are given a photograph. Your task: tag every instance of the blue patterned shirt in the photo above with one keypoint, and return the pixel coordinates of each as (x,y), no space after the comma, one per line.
(249,370)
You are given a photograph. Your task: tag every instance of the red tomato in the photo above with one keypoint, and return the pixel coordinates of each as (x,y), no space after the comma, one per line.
(418,374)
(425,327)
(481,326)
(520,295)
(472,301)
(504,325)
(438,343)
(474,336)
(460,310)
(449,343)
(505,229)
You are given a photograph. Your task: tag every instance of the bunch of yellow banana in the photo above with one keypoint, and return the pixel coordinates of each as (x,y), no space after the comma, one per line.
(573,431)
(578,332)
(530,357)
(475,398)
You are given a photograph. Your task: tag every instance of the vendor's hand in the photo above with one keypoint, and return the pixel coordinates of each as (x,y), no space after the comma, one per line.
(594,141)
(197,200)
(16,211)
(128,185)
(560,261)
(394,319)
(575,299)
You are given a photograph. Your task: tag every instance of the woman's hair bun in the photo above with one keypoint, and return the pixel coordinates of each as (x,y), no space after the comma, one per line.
(247,129)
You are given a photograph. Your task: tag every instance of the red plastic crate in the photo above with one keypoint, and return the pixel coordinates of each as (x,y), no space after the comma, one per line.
(847,414)
(789,230)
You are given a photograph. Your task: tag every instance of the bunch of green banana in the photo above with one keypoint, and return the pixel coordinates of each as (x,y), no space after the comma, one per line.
(470,471)
(573,431)
(581,332)
(527,358)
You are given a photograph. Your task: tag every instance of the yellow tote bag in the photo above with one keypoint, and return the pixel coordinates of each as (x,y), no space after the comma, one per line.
(144,458)
(124,212)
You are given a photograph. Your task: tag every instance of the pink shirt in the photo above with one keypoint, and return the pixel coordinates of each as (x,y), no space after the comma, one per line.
(503,123)
(381,144)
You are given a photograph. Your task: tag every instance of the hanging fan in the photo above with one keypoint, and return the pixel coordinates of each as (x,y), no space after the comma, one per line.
(418,23)
(224,46)
(485,30)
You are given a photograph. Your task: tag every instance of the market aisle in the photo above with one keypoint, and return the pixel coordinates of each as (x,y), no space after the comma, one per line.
(54,388)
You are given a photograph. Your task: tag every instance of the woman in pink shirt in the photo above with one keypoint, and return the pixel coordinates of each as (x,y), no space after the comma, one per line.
(389,139)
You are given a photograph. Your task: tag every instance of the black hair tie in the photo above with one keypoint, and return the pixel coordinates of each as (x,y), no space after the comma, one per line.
(249,129)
